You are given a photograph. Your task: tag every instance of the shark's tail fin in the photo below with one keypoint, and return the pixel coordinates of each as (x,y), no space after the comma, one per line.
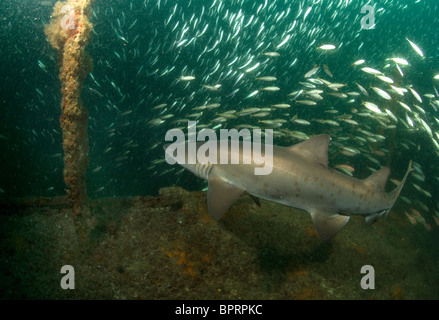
(395,193)
(379,179)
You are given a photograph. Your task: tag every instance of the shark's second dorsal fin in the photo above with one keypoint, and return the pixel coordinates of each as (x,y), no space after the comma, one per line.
(315,148)
(379,179)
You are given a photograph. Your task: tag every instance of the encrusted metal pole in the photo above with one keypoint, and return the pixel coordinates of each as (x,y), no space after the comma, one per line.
(69,32)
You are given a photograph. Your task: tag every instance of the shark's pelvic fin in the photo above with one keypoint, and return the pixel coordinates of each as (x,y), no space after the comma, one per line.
(315,149)
(220,196)
(328,223)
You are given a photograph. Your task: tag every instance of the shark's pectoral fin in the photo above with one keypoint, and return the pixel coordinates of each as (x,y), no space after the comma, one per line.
(220,196)
(328,223)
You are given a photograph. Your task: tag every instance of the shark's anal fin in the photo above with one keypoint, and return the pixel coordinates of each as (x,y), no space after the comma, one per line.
(373,217)
(220,196)
(328,223)
(256,200)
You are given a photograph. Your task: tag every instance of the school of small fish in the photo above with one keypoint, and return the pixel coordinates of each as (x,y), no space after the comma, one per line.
(260,64)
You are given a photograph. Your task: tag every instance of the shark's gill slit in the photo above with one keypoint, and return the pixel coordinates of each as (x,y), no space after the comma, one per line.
(203,170)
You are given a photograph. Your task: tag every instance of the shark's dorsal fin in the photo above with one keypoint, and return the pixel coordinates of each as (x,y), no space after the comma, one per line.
(315,148)
(327,222)
(379,179)
(220,196)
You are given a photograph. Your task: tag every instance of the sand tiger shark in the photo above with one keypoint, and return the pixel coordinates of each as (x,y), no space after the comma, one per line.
(300,178)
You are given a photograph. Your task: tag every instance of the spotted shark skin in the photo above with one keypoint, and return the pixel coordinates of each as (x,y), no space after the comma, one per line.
(300,178)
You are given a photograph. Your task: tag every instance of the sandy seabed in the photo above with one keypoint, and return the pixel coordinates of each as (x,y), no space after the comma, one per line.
(167,247)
